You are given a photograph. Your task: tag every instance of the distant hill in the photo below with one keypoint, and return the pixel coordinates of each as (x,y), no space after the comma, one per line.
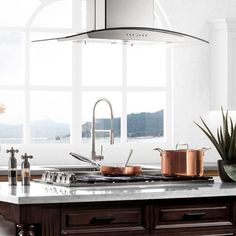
(49,128)
(11,131)
(139,125)
(39,129)
(145,124)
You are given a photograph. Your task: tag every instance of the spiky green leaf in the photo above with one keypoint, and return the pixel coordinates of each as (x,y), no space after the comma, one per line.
(231,127)
(225,140)
(232,149)
(226,130)
(221,143)
(209,134)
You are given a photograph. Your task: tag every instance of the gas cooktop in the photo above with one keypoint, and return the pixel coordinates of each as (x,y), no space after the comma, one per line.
(73,179)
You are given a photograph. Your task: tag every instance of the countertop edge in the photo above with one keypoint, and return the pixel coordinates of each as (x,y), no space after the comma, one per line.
(38,193)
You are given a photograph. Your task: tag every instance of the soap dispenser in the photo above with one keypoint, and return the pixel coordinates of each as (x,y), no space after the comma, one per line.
(12,166)
(25,170)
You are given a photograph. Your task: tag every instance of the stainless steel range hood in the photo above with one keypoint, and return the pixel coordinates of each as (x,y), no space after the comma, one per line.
(122,21)
(132,34)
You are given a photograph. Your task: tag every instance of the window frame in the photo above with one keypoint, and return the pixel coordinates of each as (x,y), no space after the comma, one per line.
(77,89)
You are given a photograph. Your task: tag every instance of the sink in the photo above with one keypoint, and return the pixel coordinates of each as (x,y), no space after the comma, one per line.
(77,169)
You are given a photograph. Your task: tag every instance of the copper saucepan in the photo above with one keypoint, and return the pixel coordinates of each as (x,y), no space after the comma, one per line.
(120,170)
(182,162)
(125,170)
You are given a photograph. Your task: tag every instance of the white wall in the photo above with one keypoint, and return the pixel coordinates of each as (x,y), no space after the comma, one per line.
(191,68)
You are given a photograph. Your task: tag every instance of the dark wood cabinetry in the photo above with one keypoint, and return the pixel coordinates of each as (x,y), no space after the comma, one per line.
(108,219)
(195,217)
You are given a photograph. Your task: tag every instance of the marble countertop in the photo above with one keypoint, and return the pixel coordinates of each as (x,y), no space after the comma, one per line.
(38,193)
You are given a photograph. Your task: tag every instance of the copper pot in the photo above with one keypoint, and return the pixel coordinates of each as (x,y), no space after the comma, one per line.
(182,162)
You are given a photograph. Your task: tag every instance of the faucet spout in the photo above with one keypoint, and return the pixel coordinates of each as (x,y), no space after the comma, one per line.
(111,131)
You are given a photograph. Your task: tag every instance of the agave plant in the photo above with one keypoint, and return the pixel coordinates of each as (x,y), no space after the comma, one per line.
(225,139)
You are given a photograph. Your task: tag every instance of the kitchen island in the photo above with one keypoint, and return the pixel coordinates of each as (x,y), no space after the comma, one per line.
(146,209)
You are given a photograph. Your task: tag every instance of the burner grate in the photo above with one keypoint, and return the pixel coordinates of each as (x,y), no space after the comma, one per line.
(73,179)
(138,178)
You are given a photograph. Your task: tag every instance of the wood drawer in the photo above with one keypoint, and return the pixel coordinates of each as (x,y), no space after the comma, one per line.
(103,219)
(194,233)
(182,216)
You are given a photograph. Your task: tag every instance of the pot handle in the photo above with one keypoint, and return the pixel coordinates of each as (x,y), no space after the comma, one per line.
(181,144)
(204,149)
(85,159)
(158,149)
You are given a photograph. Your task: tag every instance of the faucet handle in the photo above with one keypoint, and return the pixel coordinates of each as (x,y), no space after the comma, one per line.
(100,157)
(101,149)
(111,136)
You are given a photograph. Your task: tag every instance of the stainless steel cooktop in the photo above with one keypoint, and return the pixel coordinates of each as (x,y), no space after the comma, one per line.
(78,179)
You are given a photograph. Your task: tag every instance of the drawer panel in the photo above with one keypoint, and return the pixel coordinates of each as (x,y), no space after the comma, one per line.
(91,220)
(192,216)
(103,217)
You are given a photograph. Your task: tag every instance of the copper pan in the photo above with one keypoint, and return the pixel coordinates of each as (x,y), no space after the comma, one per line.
(120,170)
(182,162)
(125,170)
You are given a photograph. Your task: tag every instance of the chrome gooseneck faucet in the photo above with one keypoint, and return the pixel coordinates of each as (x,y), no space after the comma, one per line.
(111,131)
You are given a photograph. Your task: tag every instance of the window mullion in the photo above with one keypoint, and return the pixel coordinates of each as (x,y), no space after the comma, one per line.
(124,95)
(26,131)
(76,128)
(169,120)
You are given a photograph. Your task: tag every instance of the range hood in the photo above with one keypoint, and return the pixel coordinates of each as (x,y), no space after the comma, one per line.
(126,21)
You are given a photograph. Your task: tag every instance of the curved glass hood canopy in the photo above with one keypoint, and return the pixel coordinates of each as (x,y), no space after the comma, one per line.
(126,21)
(132,34)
